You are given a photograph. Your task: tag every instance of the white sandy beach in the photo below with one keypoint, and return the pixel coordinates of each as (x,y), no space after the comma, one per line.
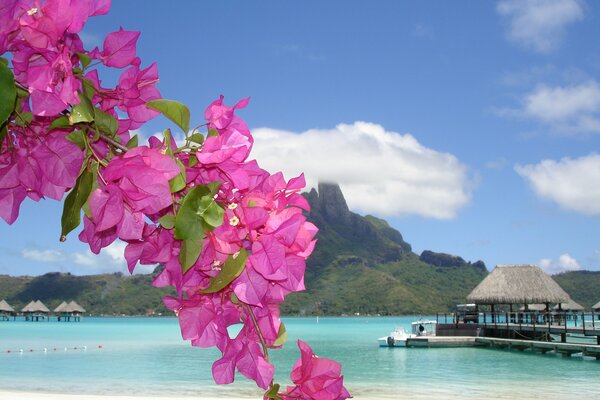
(5,395)
(8,395)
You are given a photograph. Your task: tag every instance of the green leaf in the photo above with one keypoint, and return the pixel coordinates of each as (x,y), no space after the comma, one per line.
(189,253)
(60,122)
(88,88)
(78,138)
(198,212)
(273,391)
(77,197)
(4,61)
(167,136)
(133,142)
(174,110)
(105,122)
(3,133)
(281,336)
(197,138)
(8,93)
(167,221)
(232,268)
(193,160)
(82,112)
(85,59)
(178,182)
(24,119)
(213,132)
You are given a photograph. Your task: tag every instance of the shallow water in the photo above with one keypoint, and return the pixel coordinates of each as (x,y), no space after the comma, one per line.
(146,356)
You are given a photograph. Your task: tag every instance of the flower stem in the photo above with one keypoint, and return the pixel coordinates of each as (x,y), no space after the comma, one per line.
(263,343)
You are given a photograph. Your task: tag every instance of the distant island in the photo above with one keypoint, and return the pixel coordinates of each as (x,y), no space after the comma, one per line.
(361,265)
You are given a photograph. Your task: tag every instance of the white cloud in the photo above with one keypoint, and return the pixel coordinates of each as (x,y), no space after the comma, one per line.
(564,109)
(110,259)
(565,106)
(379,171)
(564,263)
(572,183)
(539,24)
(49,256)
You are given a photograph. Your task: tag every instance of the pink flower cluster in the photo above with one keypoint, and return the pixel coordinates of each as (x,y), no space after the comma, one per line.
(232,238)
(315,378)
(48,61)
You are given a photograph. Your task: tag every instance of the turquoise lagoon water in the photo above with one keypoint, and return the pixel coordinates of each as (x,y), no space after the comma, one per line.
(146,356)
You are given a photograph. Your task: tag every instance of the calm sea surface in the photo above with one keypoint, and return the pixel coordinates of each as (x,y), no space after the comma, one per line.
(146,356)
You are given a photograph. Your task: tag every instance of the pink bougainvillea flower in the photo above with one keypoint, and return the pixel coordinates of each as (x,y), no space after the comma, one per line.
(12,193)
(244,354)
(315,378)
(52,84)
(119,49)
(234,141)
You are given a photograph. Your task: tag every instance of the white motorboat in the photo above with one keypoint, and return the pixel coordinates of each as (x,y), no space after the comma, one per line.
(398,337)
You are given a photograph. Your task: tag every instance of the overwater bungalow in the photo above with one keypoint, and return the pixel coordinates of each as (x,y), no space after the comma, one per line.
(6,311)
(60,308)
(520,285)
(35,311)
(71,311)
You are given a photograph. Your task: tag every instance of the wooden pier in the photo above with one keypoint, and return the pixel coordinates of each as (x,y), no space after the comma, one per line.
(540,333)
(564,349)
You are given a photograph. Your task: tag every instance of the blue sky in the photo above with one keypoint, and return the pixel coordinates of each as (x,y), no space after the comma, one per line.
(472,127)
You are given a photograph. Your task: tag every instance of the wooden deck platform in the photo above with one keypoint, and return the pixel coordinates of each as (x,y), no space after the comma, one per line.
(442,341)
(564,349)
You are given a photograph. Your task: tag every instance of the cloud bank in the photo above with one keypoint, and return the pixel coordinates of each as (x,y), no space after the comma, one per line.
(574,184)
(539,25)
(380,172)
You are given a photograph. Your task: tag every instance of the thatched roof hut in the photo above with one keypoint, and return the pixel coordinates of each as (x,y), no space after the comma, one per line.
(35,307)
(40,307)
(5,307)
(61,307)
(73,307)
(596,306)
(29,307)
(517,284)
(570,305)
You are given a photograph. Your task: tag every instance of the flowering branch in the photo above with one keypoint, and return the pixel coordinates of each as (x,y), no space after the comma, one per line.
(231,237)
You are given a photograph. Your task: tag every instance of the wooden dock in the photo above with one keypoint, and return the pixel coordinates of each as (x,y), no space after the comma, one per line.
(564,349)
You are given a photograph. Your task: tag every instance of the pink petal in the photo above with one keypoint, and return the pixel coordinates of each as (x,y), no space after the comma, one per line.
(107,208)
(119,48)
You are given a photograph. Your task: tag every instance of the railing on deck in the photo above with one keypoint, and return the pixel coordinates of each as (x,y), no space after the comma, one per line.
(586,321)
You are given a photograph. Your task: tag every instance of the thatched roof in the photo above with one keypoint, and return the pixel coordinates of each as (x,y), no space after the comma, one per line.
(29,307)
(35,306)
(517,284)
(5,307)
(41,307)
(596,306)
(74,307)
(61,307)
(570,305)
